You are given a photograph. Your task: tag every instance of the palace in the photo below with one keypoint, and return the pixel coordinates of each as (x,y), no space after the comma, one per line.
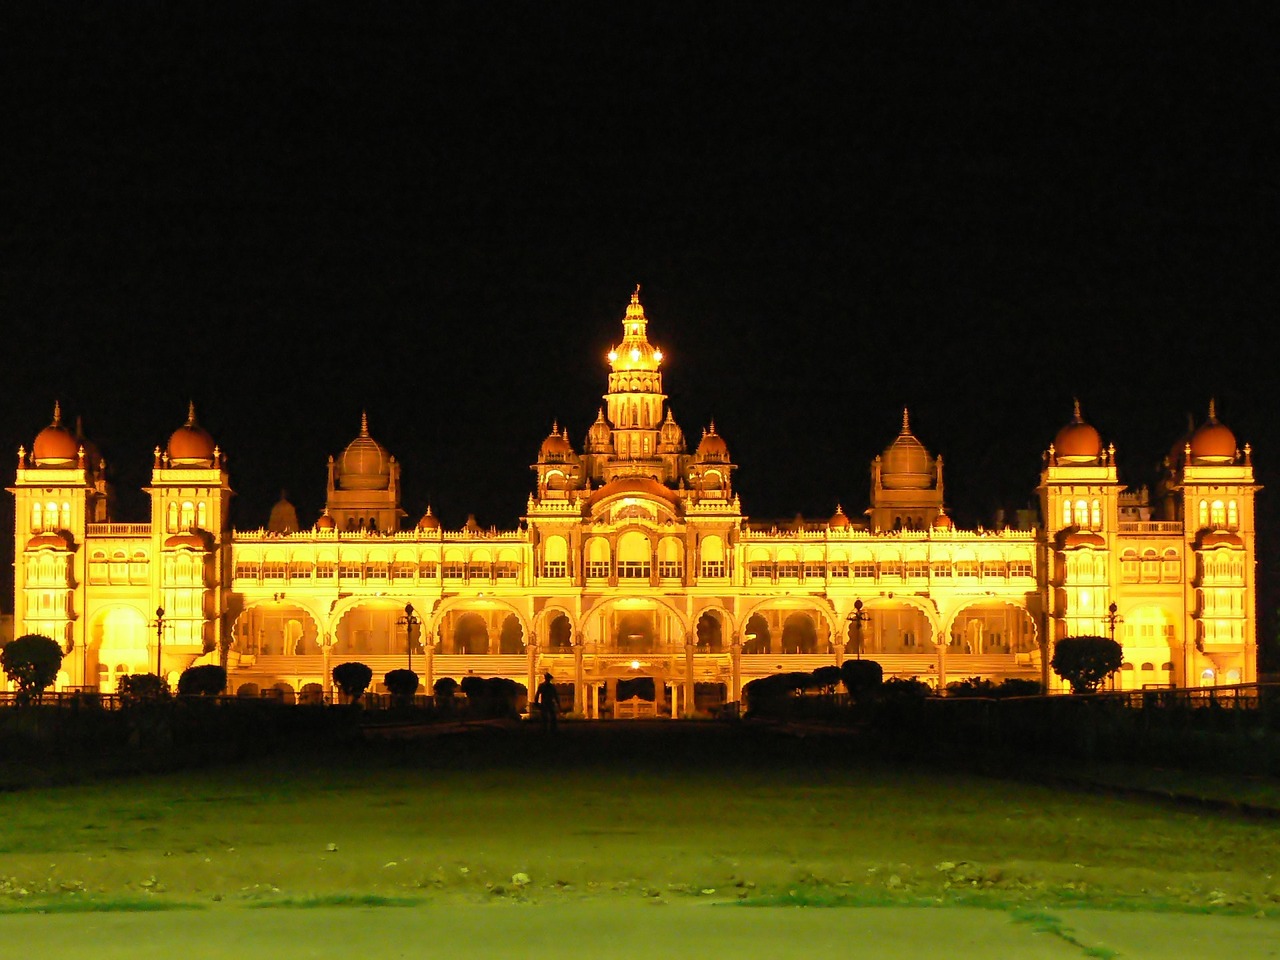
(634,560)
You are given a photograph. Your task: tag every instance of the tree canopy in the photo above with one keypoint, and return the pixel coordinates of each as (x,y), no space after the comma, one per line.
(1084,662)
(32,663)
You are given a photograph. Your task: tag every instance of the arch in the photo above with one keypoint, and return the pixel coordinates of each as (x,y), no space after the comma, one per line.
(511,638)
(550,631)
(756,635)
(119,635)
(813,604)
(799,635)
(990,625)
(311,693)
(271,628)
(247,690)
(433,625)
(283,691)
(650,604)
(369,627)
(470,635)
(709,632)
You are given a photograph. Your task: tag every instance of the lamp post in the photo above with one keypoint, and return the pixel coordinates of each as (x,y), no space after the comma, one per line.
(410,620)
(1112,618)
(856,619)
(159,639)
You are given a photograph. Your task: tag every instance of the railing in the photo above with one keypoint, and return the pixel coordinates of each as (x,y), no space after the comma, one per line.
(1150,526)
(117,530)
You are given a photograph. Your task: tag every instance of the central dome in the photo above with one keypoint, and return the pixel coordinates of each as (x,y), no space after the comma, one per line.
(55,446)
(191,445)
(1213,442)
(905,463)
(1077,442)
(365,464)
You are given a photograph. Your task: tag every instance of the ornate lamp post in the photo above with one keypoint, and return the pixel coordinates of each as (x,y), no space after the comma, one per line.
(1112,618)
(856,619)
(159,639)
(410,620)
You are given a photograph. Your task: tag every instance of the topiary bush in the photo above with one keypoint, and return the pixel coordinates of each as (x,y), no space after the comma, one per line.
(1019,687)
(1084,662)
(353,679)
(401,684)
(862,678)
(140,687)
(32,662)
(207,680)
(443,691)
(971,687)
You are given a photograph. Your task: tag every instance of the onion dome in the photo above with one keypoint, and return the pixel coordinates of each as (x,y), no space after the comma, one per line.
(556,448)
(599,434)
(712,448)
(472,525)
(943,522)
(365,464)
(1077,442)
(191,445)
(635,352)
(55,445)
(326,522)
(429,521)
(838,520)
(49,540)
(186,541)
(284,518)
(1213,442)
(670,436)
(905,463)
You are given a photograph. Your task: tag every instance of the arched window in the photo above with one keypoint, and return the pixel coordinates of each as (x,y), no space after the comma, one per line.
(1233,515)
(187,517)
(1217,515)
(1204,513)
(713,563)
(1066,513)
(172,517)
(36,514)
(1082,513)
(202,516)
(1095,514)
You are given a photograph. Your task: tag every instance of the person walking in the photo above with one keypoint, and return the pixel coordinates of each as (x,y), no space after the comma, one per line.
(548,702)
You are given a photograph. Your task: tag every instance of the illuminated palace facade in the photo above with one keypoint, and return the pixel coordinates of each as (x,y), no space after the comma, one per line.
(635,559)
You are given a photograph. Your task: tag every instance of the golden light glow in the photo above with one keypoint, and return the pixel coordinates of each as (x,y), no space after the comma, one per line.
(635,664)
(657,355)
(635,355)
(613,355)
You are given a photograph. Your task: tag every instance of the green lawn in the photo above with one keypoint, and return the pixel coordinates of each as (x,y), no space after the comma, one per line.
(646,814)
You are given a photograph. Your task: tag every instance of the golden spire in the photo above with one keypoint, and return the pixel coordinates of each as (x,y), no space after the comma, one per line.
(1075,415)
(57,414)
(1213,414)
(364,423)
(906,422)
(191,413)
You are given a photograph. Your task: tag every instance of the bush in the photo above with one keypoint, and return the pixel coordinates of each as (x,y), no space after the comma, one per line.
(826,678)
(32,662)
(401,684)
(905,690)
(862,678)
(143,686)
(1084,662)
(444,690)
(208,680)
(1018,687)
(971,687)
(353,679)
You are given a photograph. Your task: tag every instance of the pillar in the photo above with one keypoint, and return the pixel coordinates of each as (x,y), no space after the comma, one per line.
(579,679)
(688,676)
(735,669)
(532,670)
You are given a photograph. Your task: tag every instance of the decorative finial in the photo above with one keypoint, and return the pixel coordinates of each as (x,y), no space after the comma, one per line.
(555,428)
(1213,415)
(57,414)
(191,413)
(635,296)
(364,423)
(906,422)
(713,427)
(1075,412)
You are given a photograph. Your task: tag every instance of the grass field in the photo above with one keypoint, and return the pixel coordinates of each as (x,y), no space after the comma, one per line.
(646,814)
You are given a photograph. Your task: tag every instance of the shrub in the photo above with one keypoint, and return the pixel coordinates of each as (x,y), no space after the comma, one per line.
(1084,662)
(353,679)
(826,678)
(401,684)
(207,680)
(32,662)
(905,690)
(971,687)
(1019,687)
(444,690)
(143,686)
(862,678)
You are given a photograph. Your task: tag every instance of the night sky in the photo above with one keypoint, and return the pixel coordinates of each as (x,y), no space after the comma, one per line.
(437,212)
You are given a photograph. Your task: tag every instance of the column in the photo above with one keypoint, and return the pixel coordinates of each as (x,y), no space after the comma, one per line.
(735,665)
(326,645)
(429,669)
(532,671)
(942,668)
(688,676)
(579,678)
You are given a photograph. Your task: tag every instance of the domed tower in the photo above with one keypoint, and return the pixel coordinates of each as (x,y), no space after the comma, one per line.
(58,491)
(1080,509)
(363,490)
(191,540)
(557,468)
(1214,487)
(633,409)
(906,484)
(710,470)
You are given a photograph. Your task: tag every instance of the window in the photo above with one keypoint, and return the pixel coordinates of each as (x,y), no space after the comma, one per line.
(1066,513)
(788,570)
(479,570)
(838,571)
(349,569)
(712,569)
(403,570)
(670,569)
(274,570)
(760,570)
(66,515)
(1020,568)
(967,568)
(597,569)
(246,570)
(994,568)
(917,568)
(506,570)
(891,568)
(1217,515)
(300,570)
(941,569)
(633,570)
(35,517)
(202,516)
(555,568)
(187,515)
(377,570)
(1204,513)
(1095,514)
(427,570)
(454,569)
(814,571)
(1082,513)
(1233,515)
(1170,566)
(326,569)
(865,569)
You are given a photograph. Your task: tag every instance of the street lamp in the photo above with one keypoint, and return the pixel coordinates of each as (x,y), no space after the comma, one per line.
(410,620)
(856,619)
(159,639)
(1112,618)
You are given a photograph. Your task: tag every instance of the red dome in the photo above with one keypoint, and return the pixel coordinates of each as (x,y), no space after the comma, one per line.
(186,541)
(942,522)
(1077,442)
(429,521)
(48,541)
(838,521)
(556,446)
(712,446)
(55,445)
(1213,442)
(191,445)
(325,522)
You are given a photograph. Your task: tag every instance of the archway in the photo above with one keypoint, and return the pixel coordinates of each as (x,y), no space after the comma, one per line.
(273,629)
(560,633)
(710,633)
(992,627)
(511,639)
(634,633)
(470,635)
(756,637)
(371,629)
(118,646)
(799,635)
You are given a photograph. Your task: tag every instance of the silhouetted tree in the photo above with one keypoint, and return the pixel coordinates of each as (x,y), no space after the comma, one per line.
(862,678)
(353,679)
(1084,662)
(401,684)
(207,680)
(32,662)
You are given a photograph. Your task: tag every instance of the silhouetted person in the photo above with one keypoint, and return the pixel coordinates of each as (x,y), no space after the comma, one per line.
(547,700)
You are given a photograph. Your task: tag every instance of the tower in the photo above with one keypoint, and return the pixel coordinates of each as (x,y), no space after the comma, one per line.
(364,486)
(906,484)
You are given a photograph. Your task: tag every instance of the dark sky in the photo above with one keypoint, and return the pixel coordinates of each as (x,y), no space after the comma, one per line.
(436,212)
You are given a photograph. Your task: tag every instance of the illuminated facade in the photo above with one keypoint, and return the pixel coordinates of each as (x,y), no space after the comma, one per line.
(634,559)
